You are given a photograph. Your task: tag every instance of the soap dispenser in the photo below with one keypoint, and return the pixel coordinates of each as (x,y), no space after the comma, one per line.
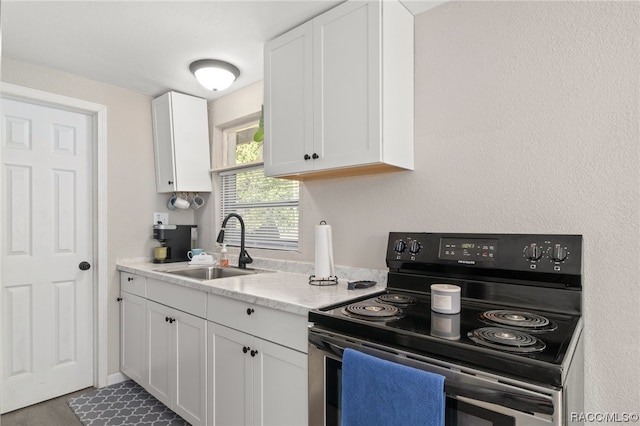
(224,258)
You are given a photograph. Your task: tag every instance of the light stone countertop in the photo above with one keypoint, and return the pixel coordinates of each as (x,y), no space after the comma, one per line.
(285,291)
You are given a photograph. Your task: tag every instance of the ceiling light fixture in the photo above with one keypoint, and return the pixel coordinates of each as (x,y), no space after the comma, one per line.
(214,74)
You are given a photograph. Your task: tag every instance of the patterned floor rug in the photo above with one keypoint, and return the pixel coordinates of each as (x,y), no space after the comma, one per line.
(124,403)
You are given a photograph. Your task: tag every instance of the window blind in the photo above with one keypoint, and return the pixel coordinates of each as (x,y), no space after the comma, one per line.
(269,208)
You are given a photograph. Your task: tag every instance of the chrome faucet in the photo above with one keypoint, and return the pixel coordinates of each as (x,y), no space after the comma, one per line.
(244,257)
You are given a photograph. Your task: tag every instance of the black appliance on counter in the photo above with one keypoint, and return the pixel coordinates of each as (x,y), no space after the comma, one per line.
(177,239)
(513,354)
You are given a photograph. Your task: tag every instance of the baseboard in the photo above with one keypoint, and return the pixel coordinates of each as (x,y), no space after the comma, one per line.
(118,377)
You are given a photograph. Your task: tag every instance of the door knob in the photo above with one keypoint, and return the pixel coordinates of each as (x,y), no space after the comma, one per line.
(84,266)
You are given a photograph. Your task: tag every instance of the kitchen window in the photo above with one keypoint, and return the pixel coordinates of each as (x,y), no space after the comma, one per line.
(269,207)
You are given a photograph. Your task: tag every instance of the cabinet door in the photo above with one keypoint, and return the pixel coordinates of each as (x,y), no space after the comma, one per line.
(288,112)
(133,330)
(190,371)
(347,85)
(191,143)
(181,143)
(163,143)
(280,385)
(230,377)
(160,356)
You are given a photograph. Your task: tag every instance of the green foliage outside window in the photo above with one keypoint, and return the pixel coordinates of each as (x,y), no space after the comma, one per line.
(248,152)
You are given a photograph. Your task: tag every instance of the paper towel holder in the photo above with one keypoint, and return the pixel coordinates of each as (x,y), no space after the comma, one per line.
(331,280)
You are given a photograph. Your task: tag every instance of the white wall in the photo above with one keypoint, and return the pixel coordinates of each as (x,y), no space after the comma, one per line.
(528,119)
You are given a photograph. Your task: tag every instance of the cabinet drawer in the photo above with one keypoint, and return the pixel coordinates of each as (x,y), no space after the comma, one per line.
(280,327)
(134,284)
(176,296)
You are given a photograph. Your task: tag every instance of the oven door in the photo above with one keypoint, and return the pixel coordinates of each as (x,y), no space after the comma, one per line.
(472,397)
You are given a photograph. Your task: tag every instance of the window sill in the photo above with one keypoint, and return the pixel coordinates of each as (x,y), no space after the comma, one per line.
(237,166)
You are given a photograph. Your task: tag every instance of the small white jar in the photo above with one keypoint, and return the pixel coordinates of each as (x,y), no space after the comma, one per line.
(445,298)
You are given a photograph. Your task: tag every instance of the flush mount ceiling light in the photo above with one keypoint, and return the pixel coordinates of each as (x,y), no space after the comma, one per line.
(213,74)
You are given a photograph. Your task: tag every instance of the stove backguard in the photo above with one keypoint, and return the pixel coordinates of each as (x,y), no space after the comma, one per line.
(496,267)
(519,256)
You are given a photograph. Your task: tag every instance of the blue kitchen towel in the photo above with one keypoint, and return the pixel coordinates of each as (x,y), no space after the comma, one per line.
(383,393)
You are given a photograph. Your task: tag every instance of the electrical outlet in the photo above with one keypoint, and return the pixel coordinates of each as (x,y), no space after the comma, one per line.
(160,218)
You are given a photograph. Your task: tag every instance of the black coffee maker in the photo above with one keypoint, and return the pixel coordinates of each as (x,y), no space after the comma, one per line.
(177,239)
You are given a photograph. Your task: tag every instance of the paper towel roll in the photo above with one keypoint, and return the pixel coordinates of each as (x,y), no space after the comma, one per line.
(324,252)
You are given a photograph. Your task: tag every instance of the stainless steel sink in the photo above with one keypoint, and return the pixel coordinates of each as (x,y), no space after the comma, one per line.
(211,272)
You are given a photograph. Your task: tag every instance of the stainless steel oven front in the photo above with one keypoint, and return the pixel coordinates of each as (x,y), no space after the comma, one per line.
(472,397)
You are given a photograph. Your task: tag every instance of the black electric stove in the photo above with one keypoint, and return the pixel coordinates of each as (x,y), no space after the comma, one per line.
(520,310)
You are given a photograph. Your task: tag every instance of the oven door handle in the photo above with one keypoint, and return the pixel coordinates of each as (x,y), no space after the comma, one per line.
(525,403)
(334,347)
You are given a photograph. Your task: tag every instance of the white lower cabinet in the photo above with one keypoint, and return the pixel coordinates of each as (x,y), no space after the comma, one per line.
(257,364)
(133,331)
(213,360)
(280,385)
(230,377)
(163,348)
(253,381)
(176,360)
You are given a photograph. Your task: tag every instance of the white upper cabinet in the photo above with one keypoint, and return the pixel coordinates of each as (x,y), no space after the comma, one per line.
(181,143)
(288,112)
(339,93)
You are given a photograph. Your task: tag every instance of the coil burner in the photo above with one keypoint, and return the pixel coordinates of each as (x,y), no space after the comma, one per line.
(506,340)
(519,320)
(396,299)
(373,311)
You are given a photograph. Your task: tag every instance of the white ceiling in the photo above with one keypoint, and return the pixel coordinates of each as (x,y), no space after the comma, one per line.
(147,46)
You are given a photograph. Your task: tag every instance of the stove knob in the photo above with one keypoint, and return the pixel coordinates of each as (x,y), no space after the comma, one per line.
(533,252)
(399,246)
(414,247)
(558,253)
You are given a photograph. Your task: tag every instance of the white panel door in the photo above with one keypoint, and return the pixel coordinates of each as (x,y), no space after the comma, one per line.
(47,303)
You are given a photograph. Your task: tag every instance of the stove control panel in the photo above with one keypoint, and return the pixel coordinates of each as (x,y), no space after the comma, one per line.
(556,254)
